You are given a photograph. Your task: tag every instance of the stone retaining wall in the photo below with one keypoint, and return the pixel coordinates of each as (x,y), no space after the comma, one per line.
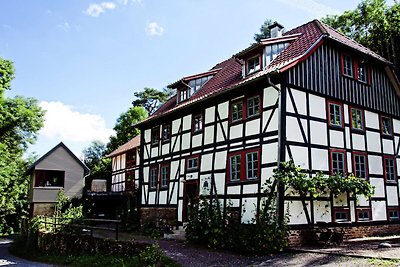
(309,236)
(158,215)
(71,244)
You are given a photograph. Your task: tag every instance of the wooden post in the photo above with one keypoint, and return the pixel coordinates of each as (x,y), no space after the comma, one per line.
(116,231)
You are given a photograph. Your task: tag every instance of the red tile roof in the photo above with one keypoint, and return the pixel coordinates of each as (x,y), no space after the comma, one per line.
(131,144)
(304,39)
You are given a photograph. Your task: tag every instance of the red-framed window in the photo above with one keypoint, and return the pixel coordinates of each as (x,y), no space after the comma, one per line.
(363,214)
(341,215)
(386,125)
(166,133)
(393,214)
(197,123)
(243,165)
(245,109)
(164,175)
(335,114)
(338,162)
(360,165)
(389,169)
(129,181)
(357,119)
(253,64)
(130,158)
(193,163)
(347,65)
(155,135)
(355,68)
(153,175)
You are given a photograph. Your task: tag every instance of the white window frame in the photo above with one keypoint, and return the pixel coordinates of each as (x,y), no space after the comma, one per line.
(235,160)
(253,167)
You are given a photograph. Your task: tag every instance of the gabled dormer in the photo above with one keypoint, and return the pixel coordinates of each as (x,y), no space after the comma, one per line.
(259,55)
(188,86)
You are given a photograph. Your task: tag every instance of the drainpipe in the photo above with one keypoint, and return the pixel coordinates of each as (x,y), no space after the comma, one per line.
(281,133)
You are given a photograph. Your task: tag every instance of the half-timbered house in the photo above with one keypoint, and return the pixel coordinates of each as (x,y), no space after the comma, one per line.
(311,95)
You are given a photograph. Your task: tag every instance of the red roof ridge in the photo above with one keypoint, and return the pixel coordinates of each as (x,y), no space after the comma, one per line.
(131,144)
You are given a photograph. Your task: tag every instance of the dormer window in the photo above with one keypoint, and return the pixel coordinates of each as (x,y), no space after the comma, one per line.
(183,94)
(253,64)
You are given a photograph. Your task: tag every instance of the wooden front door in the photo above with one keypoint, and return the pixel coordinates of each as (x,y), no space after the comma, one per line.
(191,193)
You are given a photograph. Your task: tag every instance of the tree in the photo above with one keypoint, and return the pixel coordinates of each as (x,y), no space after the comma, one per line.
(373,24)
(94,158)
(151,99)
(123,127)
(265,32)
(20,120)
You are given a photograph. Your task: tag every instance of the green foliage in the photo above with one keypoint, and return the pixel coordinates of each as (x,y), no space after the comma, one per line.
(20,120)
(150,99)
(374,24)
(294,177)
(94,158)
(151,255)
(265,32)
(123,127)
(264,235)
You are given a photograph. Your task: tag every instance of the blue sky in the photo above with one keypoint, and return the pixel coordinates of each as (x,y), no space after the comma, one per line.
(83,60)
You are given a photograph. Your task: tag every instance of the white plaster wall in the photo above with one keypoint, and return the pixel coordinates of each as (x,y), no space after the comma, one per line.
(196,140)
(222,128)
(234,190)
(392,195)
(300,156)
(373,142)
(320,159)
(300,100)
(187,122)
(236,131)
(388,146)
(223,110)
(269,153)
(375,165)
(163,198)
(220,182)
(273,125)
(296,212)
(220,160)
(209,135)
(270,96)
(378,210)
(336,138)
(253,127)
(318,133)
(317,106)
(206,162)
(147,135)
(293,132)
(371,120)
(175,126)
(379,185)
(209,115)
(358,142)
(250,188)
(340,201)
(249,209)
(185,141)
(152,197)
(322,211)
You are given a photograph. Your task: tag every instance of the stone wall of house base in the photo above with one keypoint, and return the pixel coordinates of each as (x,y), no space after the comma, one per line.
(158,216)
(313,236)
(42,209)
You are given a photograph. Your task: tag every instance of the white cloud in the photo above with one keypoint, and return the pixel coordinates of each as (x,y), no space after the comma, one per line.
(95,10)
(65,123)
(153,28)
(64,26)
(125,2)
(311,6)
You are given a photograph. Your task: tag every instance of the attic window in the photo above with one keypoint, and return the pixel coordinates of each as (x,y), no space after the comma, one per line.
(253,64)
(183,94)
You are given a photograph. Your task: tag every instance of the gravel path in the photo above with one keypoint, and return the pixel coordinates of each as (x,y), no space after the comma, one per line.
(6,259)
(192,256)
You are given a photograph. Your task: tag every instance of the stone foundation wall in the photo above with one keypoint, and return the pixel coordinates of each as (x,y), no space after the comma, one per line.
(42,209)
(158,215)
(310,236)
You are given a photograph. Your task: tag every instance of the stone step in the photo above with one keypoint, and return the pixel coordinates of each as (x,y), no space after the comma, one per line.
(176,235)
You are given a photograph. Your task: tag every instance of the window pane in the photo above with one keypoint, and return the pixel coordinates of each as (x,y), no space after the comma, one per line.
(235,167)
(252,165)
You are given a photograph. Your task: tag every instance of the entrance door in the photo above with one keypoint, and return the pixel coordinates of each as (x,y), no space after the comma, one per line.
(191,192)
